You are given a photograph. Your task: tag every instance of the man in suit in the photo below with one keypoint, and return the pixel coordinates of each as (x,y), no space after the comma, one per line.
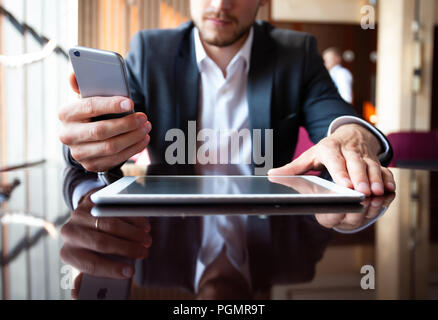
(228,72)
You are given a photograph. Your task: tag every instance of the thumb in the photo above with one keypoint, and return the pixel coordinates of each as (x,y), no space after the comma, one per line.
(74,83)
(300,165)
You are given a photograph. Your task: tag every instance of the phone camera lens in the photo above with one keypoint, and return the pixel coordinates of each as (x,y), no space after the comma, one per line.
(77,54)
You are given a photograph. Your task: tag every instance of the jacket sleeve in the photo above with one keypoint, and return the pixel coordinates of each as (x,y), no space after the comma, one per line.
(321,101)
(323,105)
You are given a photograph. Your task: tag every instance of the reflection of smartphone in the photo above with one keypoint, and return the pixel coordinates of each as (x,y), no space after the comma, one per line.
(100,73)
(94,288)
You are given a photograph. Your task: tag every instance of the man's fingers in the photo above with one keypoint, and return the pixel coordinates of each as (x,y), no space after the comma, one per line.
(331,157)
(353,220)
(301,165)
(87,108)
(376,205)
(329,220)
(142,223)
(113,226)
(76,287)
(357,169)
(388,180)
(96,265)
(75,133)
(105,163)
(96,241)
(124,230)
(375,177)
(74,84)
(108,147)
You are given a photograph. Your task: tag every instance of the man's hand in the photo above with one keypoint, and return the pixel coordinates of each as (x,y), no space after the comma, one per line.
(350,155)
(102,145)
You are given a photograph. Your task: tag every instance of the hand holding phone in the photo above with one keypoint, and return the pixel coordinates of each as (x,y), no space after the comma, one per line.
(101,129)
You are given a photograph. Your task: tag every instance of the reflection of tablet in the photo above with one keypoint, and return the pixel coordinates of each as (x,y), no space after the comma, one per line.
(190,210)
(223,189)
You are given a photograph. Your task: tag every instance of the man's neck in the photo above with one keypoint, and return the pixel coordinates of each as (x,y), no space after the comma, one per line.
(222,56)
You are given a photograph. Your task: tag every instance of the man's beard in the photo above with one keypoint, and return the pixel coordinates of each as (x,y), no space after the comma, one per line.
(219,41)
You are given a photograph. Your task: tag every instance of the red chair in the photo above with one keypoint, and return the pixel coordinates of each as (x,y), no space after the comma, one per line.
(414,146)
(407,146)
(303,144)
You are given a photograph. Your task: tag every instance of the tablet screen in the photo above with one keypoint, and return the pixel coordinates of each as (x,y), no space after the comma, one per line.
(223,185)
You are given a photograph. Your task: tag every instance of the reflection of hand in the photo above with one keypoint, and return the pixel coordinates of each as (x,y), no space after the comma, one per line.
(350,156)
(85,246)
(352,221)
(299,184)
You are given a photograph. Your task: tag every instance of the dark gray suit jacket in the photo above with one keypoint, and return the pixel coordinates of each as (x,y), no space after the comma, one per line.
(288,86)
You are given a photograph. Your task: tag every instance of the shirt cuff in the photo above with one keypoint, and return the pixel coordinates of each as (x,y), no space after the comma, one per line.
(83,188)
(386,147)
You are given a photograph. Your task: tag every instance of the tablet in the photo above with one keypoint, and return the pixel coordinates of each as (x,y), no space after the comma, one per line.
(224,189)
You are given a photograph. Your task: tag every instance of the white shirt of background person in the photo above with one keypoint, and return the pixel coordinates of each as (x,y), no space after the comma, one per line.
(341,76)
(343,80)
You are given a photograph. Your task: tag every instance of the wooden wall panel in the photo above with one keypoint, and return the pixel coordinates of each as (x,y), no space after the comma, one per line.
(265,12)
(318,10)
(399,107)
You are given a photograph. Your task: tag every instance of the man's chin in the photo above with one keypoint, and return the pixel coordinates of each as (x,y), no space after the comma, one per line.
(220,39)
(219,42)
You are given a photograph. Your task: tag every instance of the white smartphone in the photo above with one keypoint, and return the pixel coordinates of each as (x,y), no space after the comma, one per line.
(95,288)
(100,73)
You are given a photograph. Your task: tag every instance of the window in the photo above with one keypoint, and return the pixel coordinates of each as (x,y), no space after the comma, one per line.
(32,94)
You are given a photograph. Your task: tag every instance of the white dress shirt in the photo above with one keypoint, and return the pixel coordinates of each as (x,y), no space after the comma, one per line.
(344,82)
(223,105)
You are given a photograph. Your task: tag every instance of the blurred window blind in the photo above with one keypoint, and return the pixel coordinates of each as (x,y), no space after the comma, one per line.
(32,94)
(30,97)
(2,101)
(110,24)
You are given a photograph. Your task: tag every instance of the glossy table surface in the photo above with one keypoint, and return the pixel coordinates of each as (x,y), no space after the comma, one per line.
(385,248)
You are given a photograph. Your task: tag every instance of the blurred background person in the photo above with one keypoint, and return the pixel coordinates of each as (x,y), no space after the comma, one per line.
(341,76)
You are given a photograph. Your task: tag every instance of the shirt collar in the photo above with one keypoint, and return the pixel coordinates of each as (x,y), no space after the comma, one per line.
(244,52)
(336,67)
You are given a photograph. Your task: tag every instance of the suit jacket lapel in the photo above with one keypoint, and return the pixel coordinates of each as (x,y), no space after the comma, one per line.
(260,81)
(187,82)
